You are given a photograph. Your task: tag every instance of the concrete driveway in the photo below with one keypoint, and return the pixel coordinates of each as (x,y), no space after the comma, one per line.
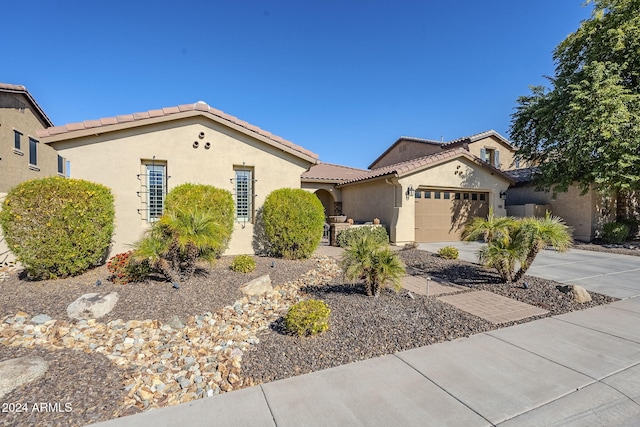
(608,274)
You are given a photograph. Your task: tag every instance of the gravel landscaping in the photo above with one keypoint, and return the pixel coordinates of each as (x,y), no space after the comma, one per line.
(361,327)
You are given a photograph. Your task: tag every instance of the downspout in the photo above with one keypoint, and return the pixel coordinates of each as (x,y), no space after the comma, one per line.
(396,208)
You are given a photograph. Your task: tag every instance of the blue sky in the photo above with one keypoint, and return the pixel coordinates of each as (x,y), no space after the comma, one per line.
(343,78)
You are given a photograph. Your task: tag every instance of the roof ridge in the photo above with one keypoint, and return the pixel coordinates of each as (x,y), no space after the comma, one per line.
(23,90)
(199,106)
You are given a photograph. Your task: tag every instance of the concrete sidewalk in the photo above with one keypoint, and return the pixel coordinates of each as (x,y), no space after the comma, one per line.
(580,368)
(610,274)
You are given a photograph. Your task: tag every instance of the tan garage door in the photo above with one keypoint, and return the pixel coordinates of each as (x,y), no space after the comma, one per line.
(442,214)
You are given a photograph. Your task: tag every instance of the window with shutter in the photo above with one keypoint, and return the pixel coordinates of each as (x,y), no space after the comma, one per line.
(483,154)
(496,158)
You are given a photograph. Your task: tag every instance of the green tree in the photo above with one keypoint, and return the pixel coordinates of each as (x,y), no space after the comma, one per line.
(585,128)
(376,265)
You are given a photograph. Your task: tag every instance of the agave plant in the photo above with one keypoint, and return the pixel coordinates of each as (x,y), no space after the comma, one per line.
(376,265)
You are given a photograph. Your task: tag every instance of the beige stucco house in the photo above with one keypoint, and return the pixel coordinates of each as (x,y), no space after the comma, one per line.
(421,190)
(142,156)
(22,155)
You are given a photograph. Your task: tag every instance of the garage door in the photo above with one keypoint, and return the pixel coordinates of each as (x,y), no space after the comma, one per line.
(442,214)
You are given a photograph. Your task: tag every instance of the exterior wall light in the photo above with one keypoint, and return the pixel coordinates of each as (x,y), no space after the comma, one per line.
(410,191)
(503,195)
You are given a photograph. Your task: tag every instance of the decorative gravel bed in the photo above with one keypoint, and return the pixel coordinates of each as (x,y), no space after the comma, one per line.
(361,327)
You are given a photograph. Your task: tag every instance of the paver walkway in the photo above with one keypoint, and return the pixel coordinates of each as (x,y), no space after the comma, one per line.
(419,285)
(494,308)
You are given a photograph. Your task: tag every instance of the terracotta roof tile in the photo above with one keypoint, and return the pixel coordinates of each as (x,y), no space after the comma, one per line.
(331,173)
(409,166)
(7,87)
(199,106)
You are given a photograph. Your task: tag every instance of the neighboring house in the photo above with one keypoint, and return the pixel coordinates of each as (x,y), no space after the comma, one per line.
(22,155)
(585,214)
(142,156)
(423,190)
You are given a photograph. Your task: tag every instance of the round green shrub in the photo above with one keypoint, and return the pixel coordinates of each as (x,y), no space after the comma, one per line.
(205,198)
(448,252)
(293,222)
(125,269)
(615,232)
(243,264)
(376,233)
(308,317)
(58,227)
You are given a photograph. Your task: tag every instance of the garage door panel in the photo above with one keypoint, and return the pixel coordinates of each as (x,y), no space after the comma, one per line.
(440,219)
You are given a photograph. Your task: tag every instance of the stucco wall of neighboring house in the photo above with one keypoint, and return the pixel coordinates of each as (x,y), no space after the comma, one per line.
(16,114)
(492,142)
(585,214)
(115,160)
(368,199)
(406,150)
(5,254)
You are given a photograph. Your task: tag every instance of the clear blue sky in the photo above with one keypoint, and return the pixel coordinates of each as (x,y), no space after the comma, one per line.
(343,78)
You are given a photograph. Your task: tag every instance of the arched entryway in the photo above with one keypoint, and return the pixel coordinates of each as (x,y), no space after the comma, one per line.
(327,201)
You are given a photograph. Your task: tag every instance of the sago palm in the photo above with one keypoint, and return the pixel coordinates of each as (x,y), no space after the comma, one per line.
(489,229)
(372,263)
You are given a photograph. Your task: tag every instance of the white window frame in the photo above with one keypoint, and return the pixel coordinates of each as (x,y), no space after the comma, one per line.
(156,185)
(243,194)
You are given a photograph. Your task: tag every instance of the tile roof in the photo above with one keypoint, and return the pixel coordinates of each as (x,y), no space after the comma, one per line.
(410,166)
(199,108)
(474,138)
(6,87)
(328,172)
(522,176)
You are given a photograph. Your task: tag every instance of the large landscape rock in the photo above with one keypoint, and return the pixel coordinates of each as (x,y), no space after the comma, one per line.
(257,286)
(92,306)
(15,372)
(577,292)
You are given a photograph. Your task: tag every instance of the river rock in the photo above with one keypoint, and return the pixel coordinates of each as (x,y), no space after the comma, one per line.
(92,306)
(22,370)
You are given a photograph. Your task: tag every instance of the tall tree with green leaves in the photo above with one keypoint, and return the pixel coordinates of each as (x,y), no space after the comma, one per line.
(585,128)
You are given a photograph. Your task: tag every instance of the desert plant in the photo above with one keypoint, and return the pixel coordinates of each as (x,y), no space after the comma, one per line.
(373,263)
(293,223)
(378,234)
(58,227)
(615,232)
(514,243)
(125,269)
(448,252)
(308,317)
(243,264)
(178,240)
(633,224)
(209,201)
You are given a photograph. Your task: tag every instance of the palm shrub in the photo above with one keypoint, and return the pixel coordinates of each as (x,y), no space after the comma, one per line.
(178,240)
(376,265)
(58,227)
(514,243)
(292,221)
(349,235)
(210,201)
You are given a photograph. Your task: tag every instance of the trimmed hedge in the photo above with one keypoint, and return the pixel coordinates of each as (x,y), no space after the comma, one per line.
(205,198)
(376,233)
(293,222)
(58,227)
